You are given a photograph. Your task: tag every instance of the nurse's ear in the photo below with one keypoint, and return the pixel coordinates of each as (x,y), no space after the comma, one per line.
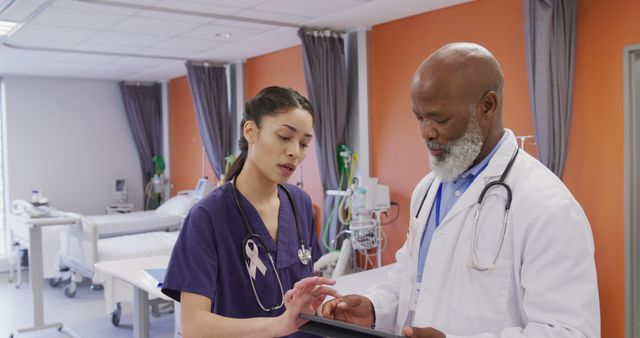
(250,131)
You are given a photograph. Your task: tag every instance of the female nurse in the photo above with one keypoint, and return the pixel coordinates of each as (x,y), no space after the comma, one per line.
(242,264)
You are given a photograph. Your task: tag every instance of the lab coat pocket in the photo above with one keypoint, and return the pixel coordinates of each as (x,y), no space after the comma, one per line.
(482,294)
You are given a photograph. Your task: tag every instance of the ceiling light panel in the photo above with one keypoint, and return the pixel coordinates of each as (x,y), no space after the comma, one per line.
(233,3)
(107,48)
(27,42)
(174,17)
(264,15)
(177,53)
(242,24)
(74,58)
(20,10)
(132,39)
(51,32)
(192,45)
(198,7)
(93,7)
(137,24)
(311,8)
(77,19)
(218,33)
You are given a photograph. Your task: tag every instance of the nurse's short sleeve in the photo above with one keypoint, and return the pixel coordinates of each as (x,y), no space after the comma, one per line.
(193,266)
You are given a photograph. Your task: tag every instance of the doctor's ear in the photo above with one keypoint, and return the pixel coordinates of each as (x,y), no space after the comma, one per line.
(250,131)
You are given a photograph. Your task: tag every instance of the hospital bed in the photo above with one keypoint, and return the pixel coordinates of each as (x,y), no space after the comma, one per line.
(119,236)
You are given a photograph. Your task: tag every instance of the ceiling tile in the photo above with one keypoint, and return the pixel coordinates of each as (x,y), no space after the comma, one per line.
(34,30)
(84,58)
(20,10)
(217,32)
(311,8)
(12,55)
(165,52)
(197,7)
(264,15)
(138,61)
(233,3)
(35,43)
(100,47)
(174,17)
(142,25)
(93,7)
(192,45)
(242,24)
(77,19)
(130,39)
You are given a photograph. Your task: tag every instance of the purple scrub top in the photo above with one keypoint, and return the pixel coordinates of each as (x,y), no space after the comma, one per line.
(208,256)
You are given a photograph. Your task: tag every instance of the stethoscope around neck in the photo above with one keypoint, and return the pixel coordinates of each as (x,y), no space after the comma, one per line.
(252,243)
(500,183)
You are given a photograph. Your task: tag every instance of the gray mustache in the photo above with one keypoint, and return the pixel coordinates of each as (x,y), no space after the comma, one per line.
(437,146)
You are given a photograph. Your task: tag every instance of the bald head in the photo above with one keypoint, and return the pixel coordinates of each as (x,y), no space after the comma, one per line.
(458,71)
(457,98)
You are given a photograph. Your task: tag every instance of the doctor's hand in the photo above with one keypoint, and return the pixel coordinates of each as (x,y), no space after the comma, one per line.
(354,309)
(305,297)
(422,332)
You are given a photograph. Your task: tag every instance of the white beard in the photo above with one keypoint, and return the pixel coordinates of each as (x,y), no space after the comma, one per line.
(459,154)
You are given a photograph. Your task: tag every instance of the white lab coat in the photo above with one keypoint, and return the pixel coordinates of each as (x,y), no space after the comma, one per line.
(544,284)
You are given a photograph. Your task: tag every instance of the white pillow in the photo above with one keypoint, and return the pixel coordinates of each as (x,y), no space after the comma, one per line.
(177,205)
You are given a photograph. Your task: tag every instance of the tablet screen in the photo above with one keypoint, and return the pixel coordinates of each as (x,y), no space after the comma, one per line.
(339,329)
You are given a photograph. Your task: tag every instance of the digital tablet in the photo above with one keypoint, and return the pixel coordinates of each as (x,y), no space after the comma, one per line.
(339,329)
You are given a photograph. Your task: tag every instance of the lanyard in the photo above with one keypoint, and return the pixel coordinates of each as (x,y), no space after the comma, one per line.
(438,199)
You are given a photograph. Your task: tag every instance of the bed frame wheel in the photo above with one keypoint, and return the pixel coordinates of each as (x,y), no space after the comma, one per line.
(54,282)
(70,290)
(116,315)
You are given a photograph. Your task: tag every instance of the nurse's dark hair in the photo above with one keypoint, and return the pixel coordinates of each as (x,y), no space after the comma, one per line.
(270,101)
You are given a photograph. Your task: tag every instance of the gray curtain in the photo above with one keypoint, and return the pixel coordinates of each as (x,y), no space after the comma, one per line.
(208,83)
(550,31)
(143,105)
(326,79)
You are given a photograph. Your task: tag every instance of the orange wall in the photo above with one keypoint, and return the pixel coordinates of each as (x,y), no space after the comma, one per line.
(185,143)
(595,163)
(393,62)
(285,68)
(604,28)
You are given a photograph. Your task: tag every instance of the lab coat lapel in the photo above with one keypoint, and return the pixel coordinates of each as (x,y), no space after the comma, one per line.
(426,210)
(494,170)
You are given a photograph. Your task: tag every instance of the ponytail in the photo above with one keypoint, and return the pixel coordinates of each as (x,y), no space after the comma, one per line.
(236,167)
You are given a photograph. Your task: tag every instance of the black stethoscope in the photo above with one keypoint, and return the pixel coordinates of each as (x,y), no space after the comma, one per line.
(473,254)
(252,244)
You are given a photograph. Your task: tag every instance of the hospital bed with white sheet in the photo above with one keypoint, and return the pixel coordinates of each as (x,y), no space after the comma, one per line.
(118,236)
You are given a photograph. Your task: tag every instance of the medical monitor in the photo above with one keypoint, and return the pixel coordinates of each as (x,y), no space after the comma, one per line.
(120,190)
(203,187)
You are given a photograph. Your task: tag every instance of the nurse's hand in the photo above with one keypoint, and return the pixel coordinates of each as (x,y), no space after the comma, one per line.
(422,332)
(354,309)
(305,296)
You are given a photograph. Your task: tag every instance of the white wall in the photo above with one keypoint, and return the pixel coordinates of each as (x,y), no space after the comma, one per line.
(71,139)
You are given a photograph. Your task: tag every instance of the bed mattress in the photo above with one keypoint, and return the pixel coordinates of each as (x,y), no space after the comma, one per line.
(133,222)
(136,246)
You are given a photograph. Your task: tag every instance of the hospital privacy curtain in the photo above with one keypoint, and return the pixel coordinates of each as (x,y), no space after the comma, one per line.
(143,105)
(208,84)
(326,80)
(550,30)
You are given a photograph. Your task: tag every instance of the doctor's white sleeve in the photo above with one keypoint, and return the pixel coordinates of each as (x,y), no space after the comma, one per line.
(385,296)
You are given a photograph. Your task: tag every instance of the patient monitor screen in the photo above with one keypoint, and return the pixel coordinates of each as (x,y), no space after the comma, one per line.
(121,186)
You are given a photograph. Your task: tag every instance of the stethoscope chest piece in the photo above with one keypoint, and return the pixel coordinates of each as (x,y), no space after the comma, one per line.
(304,255)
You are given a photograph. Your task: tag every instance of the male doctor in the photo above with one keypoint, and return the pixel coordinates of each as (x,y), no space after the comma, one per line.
(531,275)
